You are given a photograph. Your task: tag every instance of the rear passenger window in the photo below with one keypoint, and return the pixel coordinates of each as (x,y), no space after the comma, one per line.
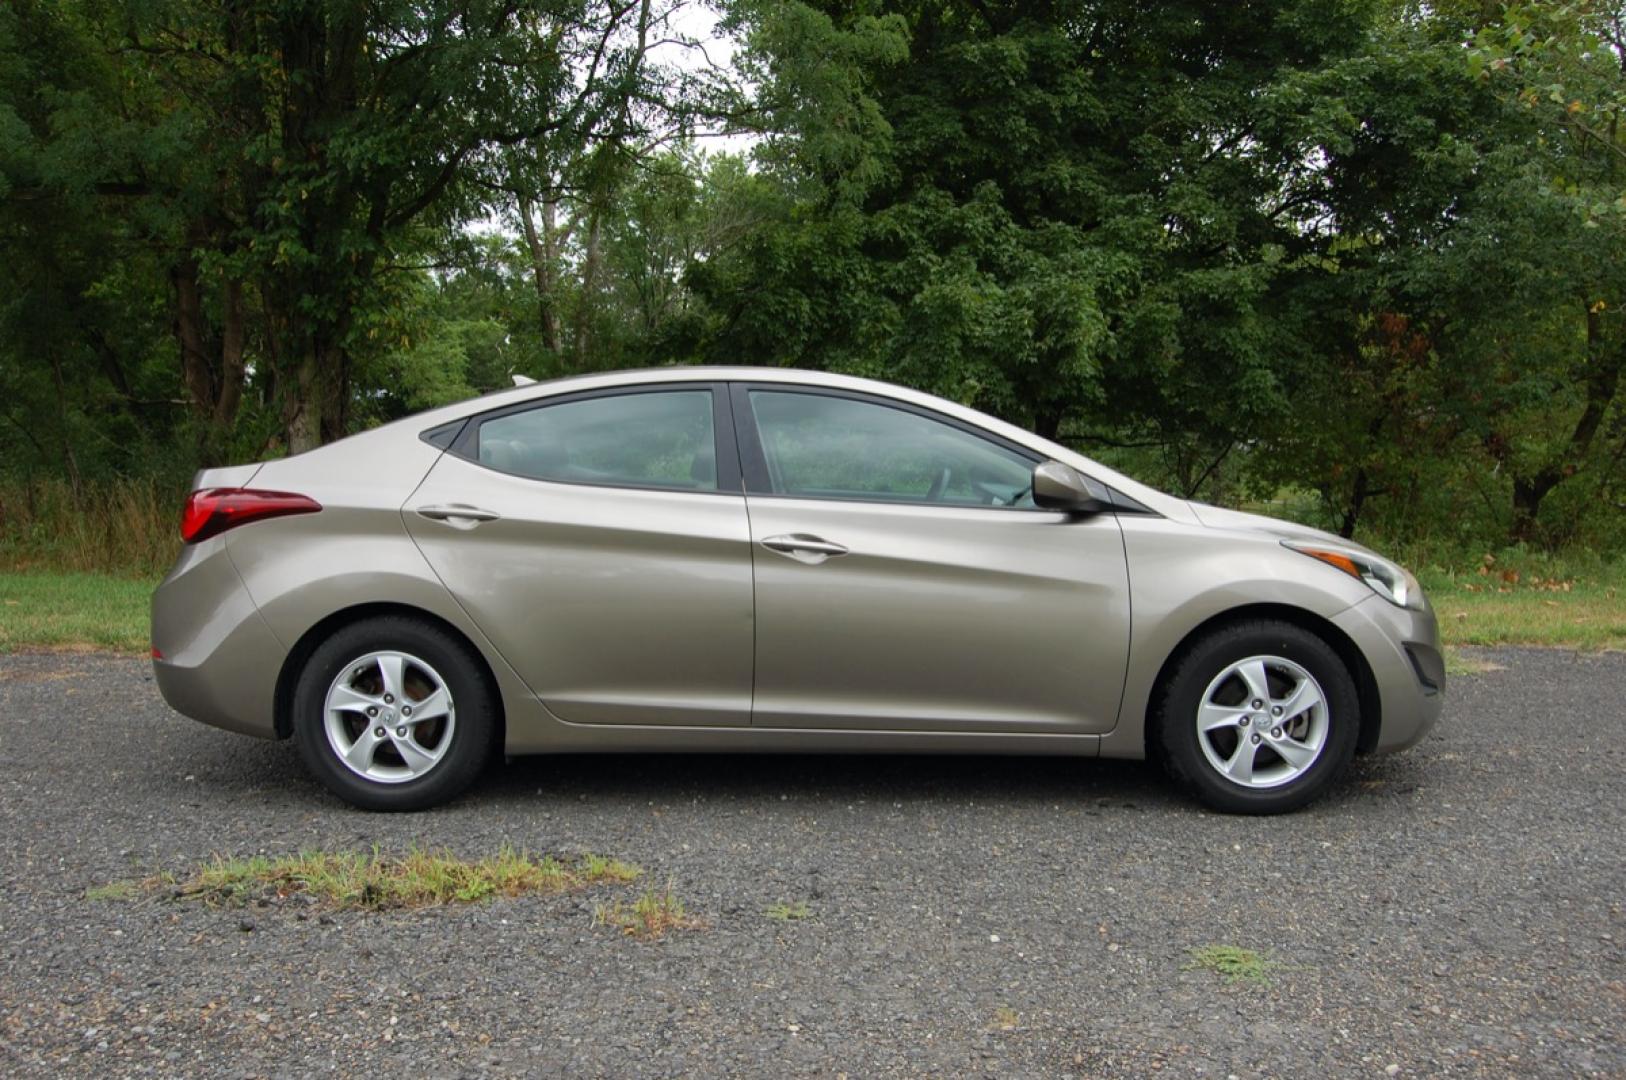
(662,439)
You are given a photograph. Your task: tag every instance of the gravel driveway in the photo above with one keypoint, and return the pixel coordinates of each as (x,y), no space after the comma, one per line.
(1457,910)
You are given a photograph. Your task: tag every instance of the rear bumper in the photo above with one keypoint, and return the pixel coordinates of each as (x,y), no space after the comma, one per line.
(219,660)
(1402,647)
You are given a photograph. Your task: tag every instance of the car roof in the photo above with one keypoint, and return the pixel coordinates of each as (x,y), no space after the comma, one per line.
(573,384)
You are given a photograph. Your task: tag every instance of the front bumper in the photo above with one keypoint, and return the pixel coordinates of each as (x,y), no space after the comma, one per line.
(217,659)
(1402,647)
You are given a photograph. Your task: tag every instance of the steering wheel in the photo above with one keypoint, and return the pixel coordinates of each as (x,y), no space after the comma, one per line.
(939,485)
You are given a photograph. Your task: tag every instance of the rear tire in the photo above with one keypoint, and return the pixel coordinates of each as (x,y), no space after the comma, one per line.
(1258,717)
(394,713)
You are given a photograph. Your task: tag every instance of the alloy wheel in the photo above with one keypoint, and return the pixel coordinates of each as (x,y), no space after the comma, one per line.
(1263,722)
(389,717)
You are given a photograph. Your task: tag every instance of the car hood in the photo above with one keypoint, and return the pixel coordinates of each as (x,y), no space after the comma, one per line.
(1215,517)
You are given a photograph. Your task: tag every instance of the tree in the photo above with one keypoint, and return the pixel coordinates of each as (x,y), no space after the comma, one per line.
(1564,66)
(286,155)
(85,382)
(1065,212)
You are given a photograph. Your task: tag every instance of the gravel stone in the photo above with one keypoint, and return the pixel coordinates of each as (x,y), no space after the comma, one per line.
(1455,911)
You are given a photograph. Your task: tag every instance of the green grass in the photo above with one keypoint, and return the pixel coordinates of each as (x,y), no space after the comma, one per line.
(1232,963)
(44,610)
(373,881)
(115,891)
(783,912)
(1506,605)
(650,916)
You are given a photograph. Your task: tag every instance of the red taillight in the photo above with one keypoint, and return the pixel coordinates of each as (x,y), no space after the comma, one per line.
(215,510)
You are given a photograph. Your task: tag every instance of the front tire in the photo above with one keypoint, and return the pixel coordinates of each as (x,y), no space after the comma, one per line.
(394,713)
(1259,717)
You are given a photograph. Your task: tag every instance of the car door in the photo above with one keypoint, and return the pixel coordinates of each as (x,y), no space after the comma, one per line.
(905,581)
(600,541)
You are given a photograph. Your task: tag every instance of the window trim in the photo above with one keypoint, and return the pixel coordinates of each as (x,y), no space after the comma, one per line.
(444,436)
(754,462)
(724,443)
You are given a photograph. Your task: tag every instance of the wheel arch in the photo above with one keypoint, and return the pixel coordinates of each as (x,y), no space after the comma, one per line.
(294,662)
(1366,684)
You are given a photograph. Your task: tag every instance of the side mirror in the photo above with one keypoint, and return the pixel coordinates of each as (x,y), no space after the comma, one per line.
(1060,487)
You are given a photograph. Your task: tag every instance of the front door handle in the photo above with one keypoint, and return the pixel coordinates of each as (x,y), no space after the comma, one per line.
(803,546)
(457,514)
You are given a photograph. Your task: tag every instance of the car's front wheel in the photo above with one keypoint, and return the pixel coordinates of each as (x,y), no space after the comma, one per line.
(394,714)
(1257,718)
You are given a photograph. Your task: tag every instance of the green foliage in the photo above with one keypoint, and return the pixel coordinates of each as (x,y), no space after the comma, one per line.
(1364,259)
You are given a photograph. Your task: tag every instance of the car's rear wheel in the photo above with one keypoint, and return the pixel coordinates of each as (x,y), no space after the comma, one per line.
(1257,718)
(394,714)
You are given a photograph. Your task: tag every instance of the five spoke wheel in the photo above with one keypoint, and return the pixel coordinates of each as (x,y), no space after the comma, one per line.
(389,717)
(1262,721)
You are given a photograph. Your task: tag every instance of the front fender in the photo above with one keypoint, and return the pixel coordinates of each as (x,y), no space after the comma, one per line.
(1182,576)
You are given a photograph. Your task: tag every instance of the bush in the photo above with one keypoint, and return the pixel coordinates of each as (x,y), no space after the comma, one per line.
(125,527)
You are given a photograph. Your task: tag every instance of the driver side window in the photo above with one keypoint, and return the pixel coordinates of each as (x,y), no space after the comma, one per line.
(817,446)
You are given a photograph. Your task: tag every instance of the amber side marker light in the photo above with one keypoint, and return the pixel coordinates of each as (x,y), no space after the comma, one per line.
(214,510)
(1332,558)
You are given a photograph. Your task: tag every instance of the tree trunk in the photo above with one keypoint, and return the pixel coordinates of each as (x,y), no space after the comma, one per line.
(1602,381)
(232,366)
(315,401)
(1527,495)
(544,258)
(333,387)
(1047,422)
(1352,512)
(587,305)
(212,365)
(191,331)
(302,412)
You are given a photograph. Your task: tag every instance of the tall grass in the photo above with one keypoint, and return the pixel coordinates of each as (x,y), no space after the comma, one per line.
(129,528)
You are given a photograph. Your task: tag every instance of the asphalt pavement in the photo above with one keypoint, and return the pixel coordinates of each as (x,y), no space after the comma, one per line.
(1458,910)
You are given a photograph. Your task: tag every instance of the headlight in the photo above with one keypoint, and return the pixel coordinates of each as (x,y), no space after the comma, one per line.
(1393,583)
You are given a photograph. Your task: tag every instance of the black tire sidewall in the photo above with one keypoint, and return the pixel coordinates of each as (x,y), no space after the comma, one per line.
(471,736)
(1183,692)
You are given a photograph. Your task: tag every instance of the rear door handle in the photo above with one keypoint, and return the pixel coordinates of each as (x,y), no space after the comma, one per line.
(803,546)
(457,514)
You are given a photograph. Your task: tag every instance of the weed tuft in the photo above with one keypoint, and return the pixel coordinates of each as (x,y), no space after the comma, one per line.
(114,891)
(1233,963)
(650,916)
(783,912)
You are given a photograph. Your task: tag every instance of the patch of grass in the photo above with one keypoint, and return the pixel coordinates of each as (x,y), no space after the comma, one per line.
(599,868)
(650,916)
(64,611)
(374,881)
(1232,963)
(1006,1018)
(116,891)
(1503,603)
(784,912)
